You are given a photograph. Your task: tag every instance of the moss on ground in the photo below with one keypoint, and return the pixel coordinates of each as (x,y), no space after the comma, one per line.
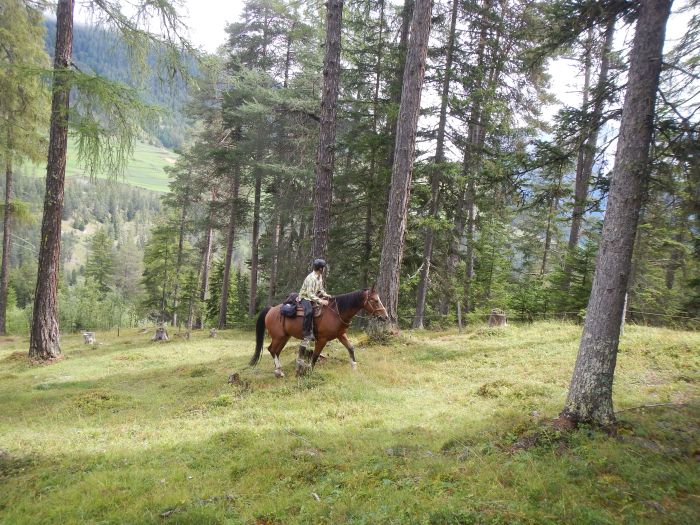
(433,428)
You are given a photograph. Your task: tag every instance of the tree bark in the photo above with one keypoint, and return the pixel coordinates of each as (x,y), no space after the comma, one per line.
(586,153)
(230,237)
(178,259)
(404,152)
(44,343)
(418,320)
(397,84)
(6,241)
(590,393)
(206,257)
(323,190)
(372,174)
(255,245)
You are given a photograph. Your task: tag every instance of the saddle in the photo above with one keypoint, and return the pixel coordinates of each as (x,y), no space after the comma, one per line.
(292,300)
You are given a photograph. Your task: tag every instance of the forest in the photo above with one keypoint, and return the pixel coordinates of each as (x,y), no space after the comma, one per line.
(504,207)
(506,192)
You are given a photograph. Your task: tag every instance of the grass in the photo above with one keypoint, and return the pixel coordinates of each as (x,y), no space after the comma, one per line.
(144,170)
(433,428)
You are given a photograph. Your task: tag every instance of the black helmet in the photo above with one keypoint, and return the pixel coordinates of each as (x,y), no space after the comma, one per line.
(319,263)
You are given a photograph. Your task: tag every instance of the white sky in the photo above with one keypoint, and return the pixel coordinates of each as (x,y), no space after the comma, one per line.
(207,20)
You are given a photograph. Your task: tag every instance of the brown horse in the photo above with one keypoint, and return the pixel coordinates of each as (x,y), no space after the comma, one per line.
(332,324)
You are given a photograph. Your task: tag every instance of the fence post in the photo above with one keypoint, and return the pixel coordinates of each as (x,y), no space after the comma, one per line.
(459,316)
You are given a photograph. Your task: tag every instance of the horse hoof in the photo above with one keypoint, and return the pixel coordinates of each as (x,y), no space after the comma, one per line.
(278,372)
(353,364)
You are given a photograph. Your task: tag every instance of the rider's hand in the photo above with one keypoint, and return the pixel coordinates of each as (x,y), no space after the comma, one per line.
(324,302)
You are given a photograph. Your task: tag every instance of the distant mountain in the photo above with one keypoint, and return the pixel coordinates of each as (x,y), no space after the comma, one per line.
(104,53)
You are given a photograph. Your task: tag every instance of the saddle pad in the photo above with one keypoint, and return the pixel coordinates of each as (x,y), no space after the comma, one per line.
(317,311)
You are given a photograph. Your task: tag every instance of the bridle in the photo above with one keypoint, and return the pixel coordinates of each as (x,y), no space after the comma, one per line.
(366,302)
(375,308)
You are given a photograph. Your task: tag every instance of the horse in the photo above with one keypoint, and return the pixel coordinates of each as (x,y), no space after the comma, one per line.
(332,324)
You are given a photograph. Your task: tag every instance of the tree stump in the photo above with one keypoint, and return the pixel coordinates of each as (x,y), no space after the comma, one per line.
(497,318)
(213,333)
(89,338)
(161,334)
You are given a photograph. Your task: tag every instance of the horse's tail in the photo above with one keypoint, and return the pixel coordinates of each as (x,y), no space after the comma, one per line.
(259,335)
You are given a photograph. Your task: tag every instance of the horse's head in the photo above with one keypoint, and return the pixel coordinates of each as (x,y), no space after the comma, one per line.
(373,305)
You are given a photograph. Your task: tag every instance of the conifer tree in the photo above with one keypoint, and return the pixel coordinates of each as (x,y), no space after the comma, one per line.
(590,393)
(23,112)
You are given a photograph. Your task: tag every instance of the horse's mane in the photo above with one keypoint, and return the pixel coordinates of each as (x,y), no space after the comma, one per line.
(350,300)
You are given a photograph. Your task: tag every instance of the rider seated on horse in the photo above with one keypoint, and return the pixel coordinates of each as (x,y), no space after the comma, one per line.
(312,292)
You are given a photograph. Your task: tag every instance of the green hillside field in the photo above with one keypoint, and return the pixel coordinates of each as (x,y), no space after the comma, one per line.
(145,169)
(433,428)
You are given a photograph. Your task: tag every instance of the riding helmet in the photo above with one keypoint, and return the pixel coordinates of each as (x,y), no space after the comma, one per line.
(319,263)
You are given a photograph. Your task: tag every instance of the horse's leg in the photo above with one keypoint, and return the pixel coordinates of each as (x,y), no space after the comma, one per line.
(320,343)
(343,338)
(276,349)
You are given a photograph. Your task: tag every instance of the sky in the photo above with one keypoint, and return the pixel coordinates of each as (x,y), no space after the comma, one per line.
(207,20)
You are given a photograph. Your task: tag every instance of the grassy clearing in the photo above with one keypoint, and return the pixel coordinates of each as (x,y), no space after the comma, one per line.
(144,170)
(435,428)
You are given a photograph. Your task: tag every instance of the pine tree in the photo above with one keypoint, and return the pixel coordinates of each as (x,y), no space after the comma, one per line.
(590,393)
(23,111)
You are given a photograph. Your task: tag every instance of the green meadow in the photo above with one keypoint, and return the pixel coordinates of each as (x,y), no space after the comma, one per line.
(432,428)
(144,169)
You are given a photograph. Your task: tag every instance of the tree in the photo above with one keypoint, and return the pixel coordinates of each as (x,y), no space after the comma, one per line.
(590,392)
(326,140)
(105,116)
(100,265)
(23,112)
(436,172)
(402,169)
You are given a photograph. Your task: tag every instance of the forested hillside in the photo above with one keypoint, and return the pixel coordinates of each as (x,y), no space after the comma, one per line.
(96,50)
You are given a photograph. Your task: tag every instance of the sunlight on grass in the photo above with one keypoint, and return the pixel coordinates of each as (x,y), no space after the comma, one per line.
(430,429)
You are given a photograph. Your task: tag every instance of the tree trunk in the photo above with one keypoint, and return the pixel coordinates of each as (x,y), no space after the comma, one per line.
(397,84)
(435,174)
(372,174)
(274,263)
(6,242)
(230,237)
(553,207)
(475,140)
(590,393)
(402,170)
(323,191)
(206,258)
(44,340)
(178,259)
(255,244)
(586,153)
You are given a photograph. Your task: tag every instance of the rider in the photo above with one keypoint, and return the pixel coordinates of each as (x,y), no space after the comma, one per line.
(312,291)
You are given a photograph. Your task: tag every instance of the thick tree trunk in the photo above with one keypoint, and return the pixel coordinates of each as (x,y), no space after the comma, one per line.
(255,245)
(6,244)
(323,191)
(402,170)
(586,153)
(590,393)
(395,88)
(230,238)
(418,320)
(44,340)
